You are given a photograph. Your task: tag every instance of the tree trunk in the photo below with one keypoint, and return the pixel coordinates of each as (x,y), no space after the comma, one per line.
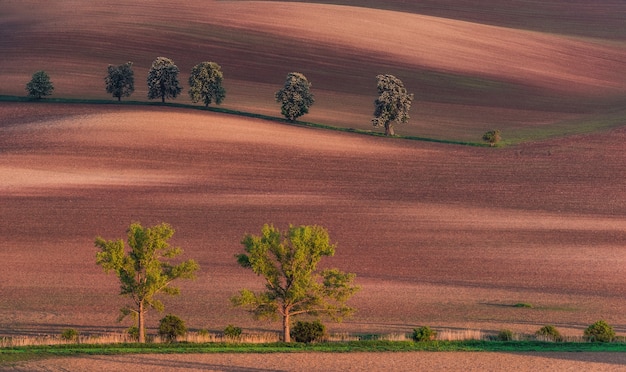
(141,326)
(286,331)
(389,129)
(163,98)
(119,98)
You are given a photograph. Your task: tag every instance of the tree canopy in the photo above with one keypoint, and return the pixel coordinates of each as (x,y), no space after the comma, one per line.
(392,105)
(40,85)
(120,80)
(205,83)
(293,284)
(144,271)
(163,79)
(295,97)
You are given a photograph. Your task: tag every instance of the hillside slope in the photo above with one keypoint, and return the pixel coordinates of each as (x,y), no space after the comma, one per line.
(449,236)
(467,77)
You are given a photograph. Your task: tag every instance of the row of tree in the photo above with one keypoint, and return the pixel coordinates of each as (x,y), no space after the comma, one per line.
(287,262)
(205,85)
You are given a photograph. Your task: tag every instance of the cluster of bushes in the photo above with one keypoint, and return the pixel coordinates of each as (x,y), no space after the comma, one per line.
(599,331)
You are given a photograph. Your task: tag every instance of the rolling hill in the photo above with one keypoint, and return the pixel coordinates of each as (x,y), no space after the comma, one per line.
(449,236)
(468,76)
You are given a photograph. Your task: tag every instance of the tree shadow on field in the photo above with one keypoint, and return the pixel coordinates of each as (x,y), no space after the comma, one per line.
(606,358)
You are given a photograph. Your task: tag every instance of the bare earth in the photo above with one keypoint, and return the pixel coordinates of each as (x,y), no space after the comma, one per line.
(440,235)
(447,236)
(338,362)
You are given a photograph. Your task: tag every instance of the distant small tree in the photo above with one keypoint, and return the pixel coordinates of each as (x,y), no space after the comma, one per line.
(599,331)
(171,327)
(392,105)
(39,86)
(163,79)
(492,136)
(293,285)
(143,271)
(295,97)
(120,80)
(205,83)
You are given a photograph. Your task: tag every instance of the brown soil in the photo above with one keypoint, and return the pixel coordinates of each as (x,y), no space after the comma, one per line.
(442,235)
(337,362)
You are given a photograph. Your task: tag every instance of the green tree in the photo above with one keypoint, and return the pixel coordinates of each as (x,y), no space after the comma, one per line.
(163,79)
(293,285)
(492,136)
(120,80)
(40,85)
(205,83)
(295,97)
(143,271)
(599,331)
(392,105)
(171,327)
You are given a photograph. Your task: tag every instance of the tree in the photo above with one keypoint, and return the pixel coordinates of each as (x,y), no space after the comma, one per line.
(293,285)
(143,271)
(205,83)
(295,97)
(492,136)
(120,80)
(163,79)
(392,105)
(40,85)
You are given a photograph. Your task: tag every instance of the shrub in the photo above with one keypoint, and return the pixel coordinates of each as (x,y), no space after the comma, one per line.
(204,332)
(523,305)
(492,136)
(308,331)
(69,334)
(231,331)
(133,333)
(505,335)
(170,327)
(423,334)
(550,332)
(599,331)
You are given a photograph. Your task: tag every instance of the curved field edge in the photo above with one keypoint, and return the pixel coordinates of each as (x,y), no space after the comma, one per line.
(8,98)
(598,123)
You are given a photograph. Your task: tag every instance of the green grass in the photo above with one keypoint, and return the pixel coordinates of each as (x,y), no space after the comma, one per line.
(15,354)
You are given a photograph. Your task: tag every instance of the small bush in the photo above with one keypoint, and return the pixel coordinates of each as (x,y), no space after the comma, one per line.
(308,331)
(492,136)
(505,335)
(171,327)
(69,334)
(523,305)
(205,332)
(133,333)
(231,331)
(599,331)
(550,332)
(423,334)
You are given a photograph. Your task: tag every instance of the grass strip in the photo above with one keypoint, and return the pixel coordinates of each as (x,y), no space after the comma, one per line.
(13,354)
